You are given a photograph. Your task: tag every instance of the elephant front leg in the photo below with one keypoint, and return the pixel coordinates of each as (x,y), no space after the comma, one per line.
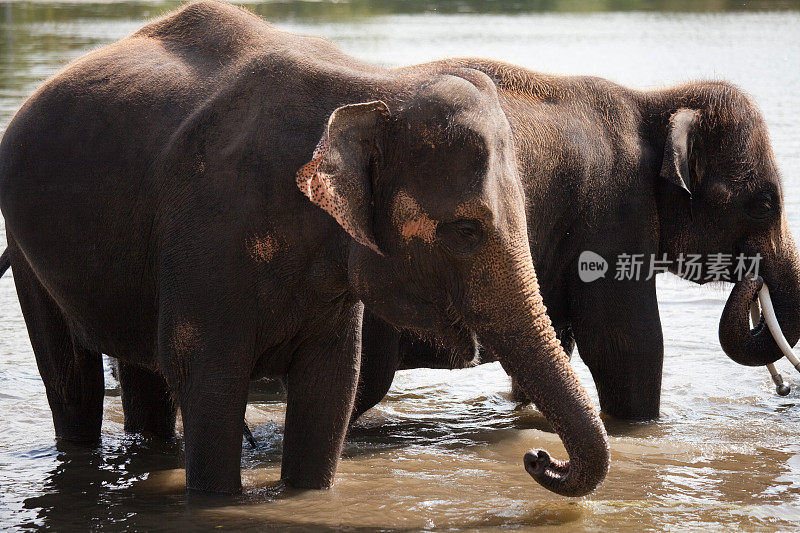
(208,365)
(321,388)
(618,334)
(380,359)
(212,409)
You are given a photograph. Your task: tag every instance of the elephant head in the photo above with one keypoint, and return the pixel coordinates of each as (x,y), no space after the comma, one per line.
(429,191)
(726,198)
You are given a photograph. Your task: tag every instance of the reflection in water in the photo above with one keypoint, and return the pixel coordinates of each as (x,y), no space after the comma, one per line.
(445,449)
(84,477)
(415,464)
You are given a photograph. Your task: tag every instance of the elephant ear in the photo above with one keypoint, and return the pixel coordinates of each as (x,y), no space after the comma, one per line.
(677,149)
(337,178)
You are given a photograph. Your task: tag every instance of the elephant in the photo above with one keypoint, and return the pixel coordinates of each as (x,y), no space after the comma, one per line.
(618,172)
(210,200)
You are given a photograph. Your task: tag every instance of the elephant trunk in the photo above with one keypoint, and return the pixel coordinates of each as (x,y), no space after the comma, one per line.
(757,347)
(518,332)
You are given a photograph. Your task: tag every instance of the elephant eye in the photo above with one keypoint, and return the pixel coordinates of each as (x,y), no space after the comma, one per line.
(461,237)
(761,206)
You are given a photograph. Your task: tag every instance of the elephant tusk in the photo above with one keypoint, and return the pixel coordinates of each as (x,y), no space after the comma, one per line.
(780,387)
(772,323)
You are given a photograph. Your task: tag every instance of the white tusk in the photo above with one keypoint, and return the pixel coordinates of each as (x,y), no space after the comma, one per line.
(780,387)
(772,323)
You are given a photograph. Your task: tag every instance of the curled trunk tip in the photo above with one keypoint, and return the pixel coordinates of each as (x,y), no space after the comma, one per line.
(560,476)
(756,346)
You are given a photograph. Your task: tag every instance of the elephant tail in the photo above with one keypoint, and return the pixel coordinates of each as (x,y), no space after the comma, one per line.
(5,262)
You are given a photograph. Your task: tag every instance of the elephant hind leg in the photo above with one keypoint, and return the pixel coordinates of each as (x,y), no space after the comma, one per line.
(146,401)
(72,375)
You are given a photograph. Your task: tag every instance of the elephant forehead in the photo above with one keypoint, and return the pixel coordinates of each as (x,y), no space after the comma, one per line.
(474,208)
(432,135)
(411,220)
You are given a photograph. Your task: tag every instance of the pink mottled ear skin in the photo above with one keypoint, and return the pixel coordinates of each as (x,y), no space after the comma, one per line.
(319,188)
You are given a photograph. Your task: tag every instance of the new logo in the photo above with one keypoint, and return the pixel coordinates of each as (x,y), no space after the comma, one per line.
(591,266)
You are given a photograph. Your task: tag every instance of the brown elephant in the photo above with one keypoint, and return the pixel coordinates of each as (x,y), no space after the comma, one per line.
(209,199)
(662,174)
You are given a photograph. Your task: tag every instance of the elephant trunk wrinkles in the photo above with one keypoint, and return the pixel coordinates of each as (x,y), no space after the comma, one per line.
(529,351)
(756,347)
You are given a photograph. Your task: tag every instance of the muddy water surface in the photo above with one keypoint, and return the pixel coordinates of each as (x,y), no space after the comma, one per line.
(445,448)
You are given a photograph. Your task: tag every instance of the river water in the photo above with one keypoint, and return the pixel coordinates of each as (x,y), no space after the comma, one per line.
(444,450)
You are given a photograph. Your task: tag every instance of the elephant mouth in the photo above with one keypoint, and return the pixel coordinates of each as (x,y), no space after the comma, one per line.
(460,343)
(453,346)
(463,348)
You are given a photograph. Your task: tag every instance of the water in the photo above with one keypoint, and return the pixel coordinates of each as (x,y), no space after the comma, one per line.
(444,449)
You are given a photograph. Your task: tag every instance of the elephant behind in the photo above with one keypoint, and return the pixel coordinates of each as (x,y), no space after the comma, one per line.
(621,173)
